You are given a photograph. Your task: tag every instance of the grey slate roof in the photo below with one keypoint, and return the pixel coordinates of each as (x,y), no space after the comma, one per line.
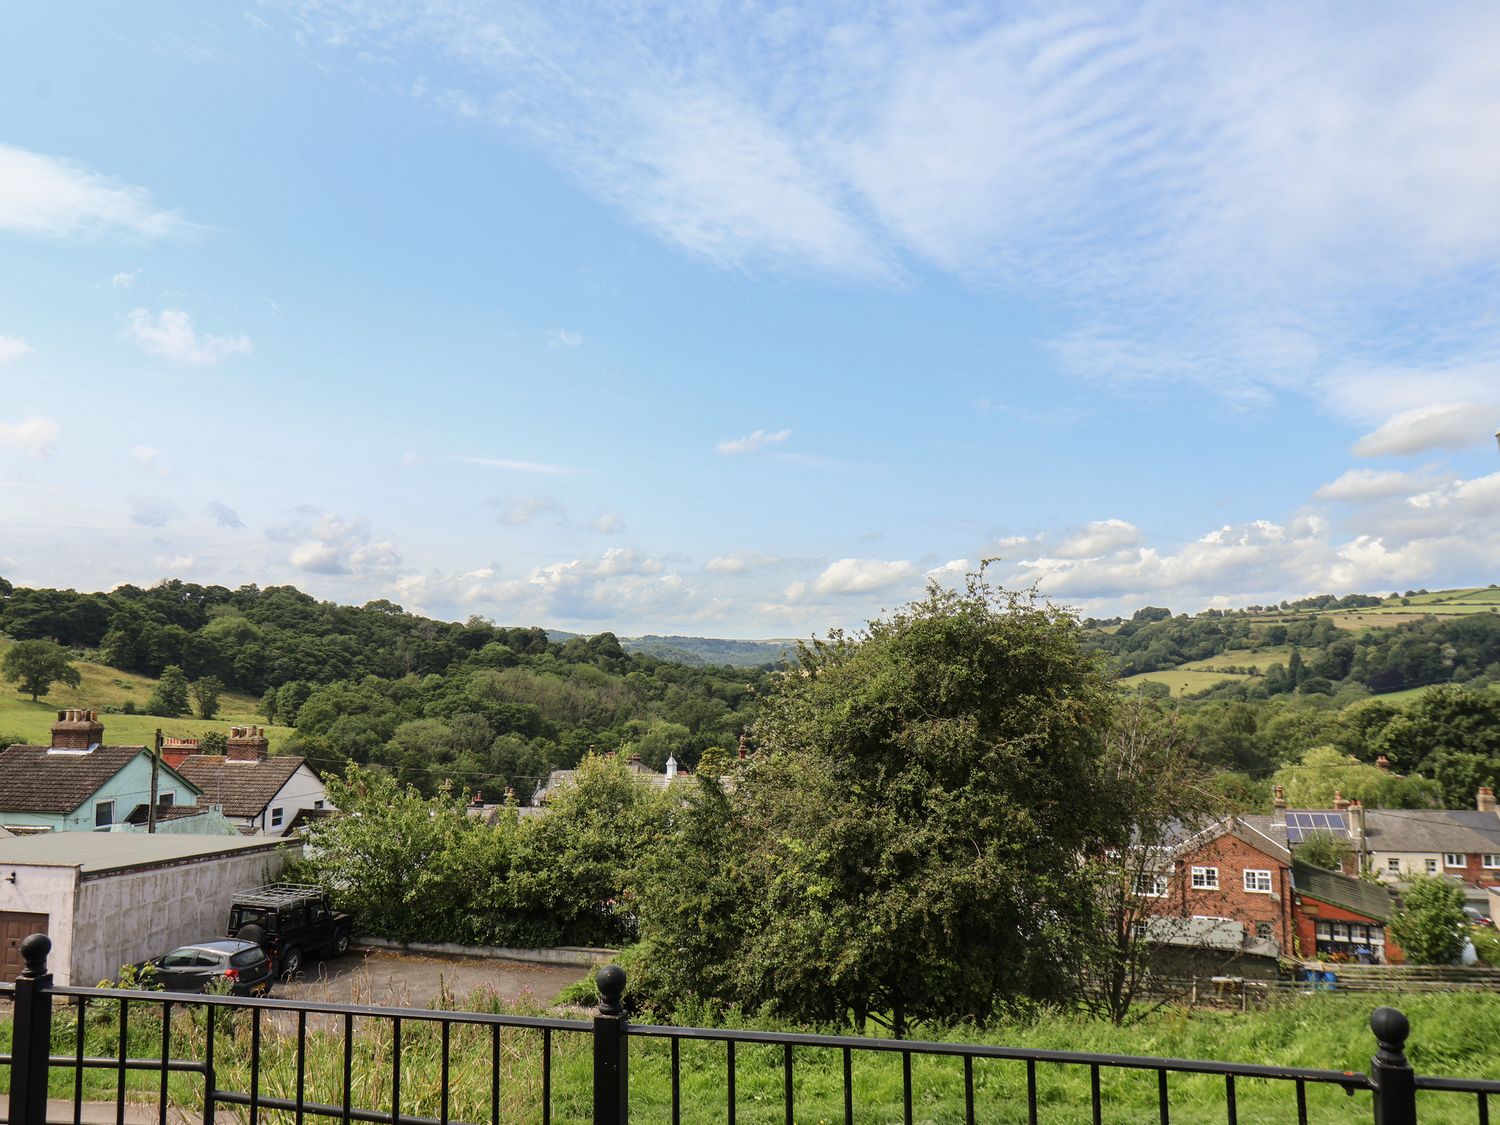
(111,851)
(1432,830)
(1370,899)
(37,779)
(242,788)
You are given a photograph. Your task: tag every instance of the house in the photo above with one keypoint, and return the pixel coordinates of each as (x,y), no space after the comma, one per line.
(560,778)
(1462,844)
(77,783)
(1236,873)
(260,794)
(109,899)
(1343,918)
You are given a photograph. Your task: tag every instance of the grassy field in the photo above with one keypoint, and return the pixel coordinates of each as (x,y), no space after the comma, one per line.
(1183,680)
(105,687)
(1453,1034)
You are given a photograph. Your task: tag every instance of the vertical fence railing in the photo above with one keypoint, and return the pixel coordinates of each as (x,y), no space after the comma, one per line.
(1391,1082)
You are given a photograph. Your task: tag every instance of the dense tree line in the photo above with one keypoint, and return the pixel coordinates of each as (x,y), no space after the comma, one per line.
(474,704)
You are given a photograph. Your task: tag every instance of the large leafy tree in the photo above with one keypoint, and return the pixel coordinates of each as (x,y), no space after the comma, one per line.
(907,840)
(36,665)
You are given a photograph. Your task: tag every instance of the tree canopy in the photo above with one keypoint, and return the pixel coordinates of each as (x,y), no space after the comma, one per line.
(36,665)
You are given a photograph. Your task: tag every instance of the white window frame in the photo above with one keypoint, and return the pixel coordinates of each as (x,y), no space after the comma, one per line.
(1491,861)
(1323,930)
(1455,859)
(1340,931)
(1431,865)
(1157,882)
(1393,865)
(107,807)
(277,815)
(1205,878)
(1254,877)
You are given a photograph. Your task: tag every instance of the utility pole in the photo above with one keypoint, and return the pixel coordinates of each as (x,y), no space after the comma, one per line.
(155,782)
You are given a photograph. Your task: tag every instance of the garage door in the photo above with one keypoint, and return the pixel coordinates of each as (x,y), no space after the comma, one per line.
(14,929)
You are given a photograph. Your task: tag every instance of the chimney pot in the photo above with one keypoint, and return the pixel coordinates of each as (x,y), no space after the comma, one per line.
(1339,804)
(1484,801)
(76,729)
(1383,763)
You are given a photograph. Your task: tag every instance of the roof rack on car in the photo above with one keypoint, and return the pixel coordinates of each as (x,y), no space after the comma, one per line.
(276,894)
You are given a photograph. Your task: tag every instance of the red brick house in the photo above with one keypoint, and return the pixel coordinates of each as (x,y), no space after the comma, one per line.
(1341,918)
(1232,871)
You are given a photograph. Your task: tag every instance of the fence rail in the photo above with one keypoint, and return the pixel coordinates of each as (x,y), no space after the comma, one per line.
(203,1039)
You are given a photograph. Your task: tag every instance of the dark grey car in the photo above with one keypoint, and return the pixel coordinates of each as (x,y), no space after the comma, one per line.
(196,968)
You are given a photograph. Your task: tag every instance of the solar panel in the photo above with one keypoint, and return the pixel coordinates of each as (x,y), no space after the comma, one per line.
(1301,823)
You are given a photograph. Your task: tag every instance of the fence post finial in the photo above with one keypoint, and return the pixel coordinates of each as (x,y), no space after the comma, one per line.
(1391,1075)
(31,1034)
(611,1050)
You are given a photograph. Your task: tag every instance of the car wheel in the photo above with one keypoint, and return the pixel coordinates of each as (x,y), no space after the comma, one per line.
(291,962)
(341,943)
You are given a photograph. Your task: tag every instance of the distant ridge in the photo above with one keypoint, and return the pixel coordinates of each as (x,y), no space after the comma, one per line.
(701,651)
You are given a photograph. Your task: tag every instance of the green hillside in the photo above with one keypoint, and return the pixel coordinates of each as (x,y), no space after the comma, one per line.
(105,690)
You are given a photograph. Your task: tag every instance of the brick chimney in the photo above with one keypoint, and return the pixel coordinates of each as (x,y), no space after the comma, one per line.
(246,744)
(1339,802)
(1485,800)
(1278,803)
(77,730)
(1383,762)
(175,751)
(744,746)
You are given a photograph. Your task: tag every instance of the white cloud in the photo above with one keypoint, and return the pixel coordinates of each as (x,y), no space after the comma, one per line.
(753,442)
(150,459)
(35,436)
(740,562)
(12,349)
(862,576)
(1362,485)
(538,467)
(124,280)
(328,543)
(1097,538)
(562,338)
(411,460)
(607,523)
(173,565)
(223,515)
(56,198)
(1441,426)
(171,335)
(515,511)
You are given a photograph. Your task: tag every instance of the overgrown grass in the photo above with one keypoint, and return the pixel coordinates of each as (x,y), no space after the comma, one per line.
(1453,1034)
(104,687)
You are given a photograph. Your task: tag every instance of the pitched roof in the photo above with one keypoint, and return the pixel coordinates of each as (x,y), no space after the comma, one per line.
(38,779)
(1432,830)
(242,788)
(1370,899)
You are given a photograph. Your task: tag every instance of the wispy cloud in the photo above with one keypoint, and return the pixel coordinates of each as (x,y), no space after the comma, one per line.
(153,511)
(1131,162)
(171,335)
(35,436)
(12,349)
(516,511)
(57,198)
(753,442)
(562,338)
(223,515)
(150,459)
(539,467)
(124,280)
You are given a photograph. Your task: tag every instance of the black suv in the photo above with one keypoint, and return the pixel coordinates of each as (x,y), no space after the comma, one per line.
(290,921)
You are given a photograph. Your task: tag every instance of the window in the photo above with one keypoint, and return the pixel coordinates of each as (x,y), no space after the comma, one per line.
(1325,931)
(1393,865)
(1377,935)
(1341,931)
(1431,865)
(317,804)
(1151,886)
(1205,878)
(276,818)
(1265,931)
(1138,930)
(1454,859)
(1257,881)
(1491,861)
(104,814)
(166,800)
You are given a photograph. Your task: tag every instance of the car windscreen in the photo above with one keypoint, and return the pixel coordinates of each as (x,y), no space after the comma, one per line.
(247,957)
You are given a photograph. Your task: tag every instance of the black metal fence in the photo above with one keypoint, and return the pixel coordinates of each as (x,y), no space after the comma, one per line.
(369,1074)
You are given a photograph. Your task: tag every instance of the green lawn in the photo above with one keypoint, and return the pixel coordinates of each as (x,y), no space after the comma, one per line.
(105,687)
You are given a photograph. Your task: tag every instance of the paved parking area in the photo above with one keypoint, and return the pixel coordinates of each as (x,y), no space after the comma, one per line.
(415,980)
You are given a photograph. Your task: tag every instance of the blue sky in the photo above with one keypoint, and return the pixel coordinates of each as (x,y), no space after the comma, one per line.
(747,320)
